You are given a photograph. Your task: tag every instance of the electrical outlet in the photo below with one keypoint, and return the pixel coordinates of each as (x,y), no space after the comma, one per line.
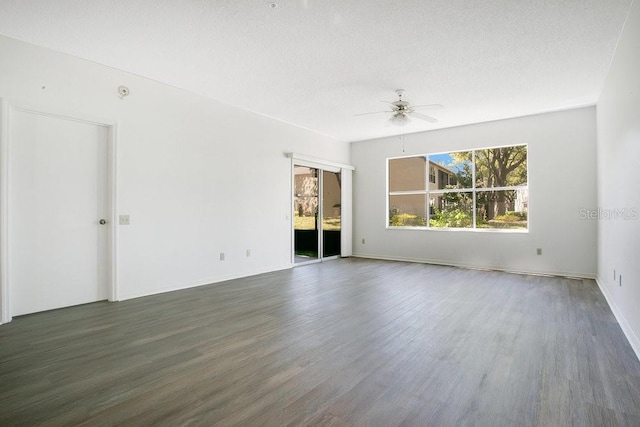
(539,251)
(124,220)
(221,256)
(248,252)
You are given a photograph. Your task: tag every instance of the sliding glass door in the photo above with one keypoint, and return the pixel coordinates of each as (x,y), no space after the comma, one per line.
(316,214)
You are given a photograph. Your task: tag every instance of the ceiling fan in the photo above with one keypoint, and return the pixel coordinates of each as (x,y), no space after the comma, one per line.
(402,111)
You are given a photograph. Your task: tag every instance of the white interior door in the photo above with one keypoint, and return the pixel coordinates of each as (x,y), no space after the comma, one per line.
(57,197)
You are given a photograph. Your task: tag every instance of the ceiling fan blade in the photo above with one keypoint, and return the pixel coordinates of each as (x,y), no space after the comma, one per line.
(423,117)
(427,106)
(374,112)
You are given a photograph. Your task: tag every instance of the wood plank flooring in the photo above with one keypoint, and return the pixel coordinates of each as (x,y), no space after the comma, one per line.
(346,342)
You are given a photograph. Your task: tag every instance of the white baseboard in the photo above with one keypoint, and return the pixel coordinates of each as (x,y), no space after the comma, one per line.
(626,329)
(475,267)
(205,282)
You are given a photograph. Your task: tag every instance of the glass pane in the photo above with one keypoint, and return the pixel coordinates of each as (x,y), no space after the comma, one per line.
(305,212)
(408,210)
(408,174)
(451,210)
(450,170)
(501,167)
(331,213)
(507,209)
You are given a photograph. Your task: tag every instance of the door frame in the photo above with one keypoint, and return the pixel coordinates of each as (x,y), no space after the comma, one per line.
(6,111)
(345,211)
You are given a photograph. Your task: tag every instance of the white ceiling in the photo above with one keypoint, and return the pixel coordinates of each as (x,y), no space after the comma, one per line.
(317,63)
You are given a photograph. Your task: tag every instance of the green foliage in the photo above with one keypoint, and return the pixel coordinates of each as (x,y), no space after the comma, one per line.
(522,216)
(309,222)
(406,220)
(457,200)
(329,224)
(507,218)
(511,216)
(304,222)
(455,218)
(511,219)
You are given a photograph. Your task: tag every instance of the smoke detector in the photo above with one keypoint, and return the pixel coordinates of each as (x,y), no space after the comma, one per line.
(123,91)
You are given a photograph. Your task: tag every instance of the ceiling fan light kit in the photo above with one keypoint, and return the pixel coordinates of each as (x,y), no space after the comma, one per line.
(399,119)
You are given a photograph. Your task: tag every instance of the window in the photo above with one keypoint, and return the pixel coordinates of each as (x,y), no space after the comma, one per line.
(475,189)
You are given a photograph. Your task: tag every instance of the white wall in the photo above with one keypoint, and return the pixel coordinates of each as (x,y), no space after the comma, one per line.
(562,181)
(197,177)
(619,180)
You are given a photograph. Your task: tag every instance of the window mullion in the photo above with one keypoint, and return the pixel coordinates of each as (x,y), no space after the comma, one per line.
(473,187)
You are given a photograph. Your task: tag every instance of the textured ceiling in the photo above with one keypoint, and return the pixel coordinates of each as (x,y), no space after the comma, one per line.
(317,63)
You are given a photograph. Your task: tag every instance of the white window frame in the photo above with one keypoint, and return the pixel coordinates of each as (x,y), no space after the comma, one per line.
(473,190)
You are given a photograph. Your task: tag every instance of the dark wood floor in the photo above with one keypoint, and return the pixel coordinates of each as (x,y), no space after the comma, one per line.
(347,342)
